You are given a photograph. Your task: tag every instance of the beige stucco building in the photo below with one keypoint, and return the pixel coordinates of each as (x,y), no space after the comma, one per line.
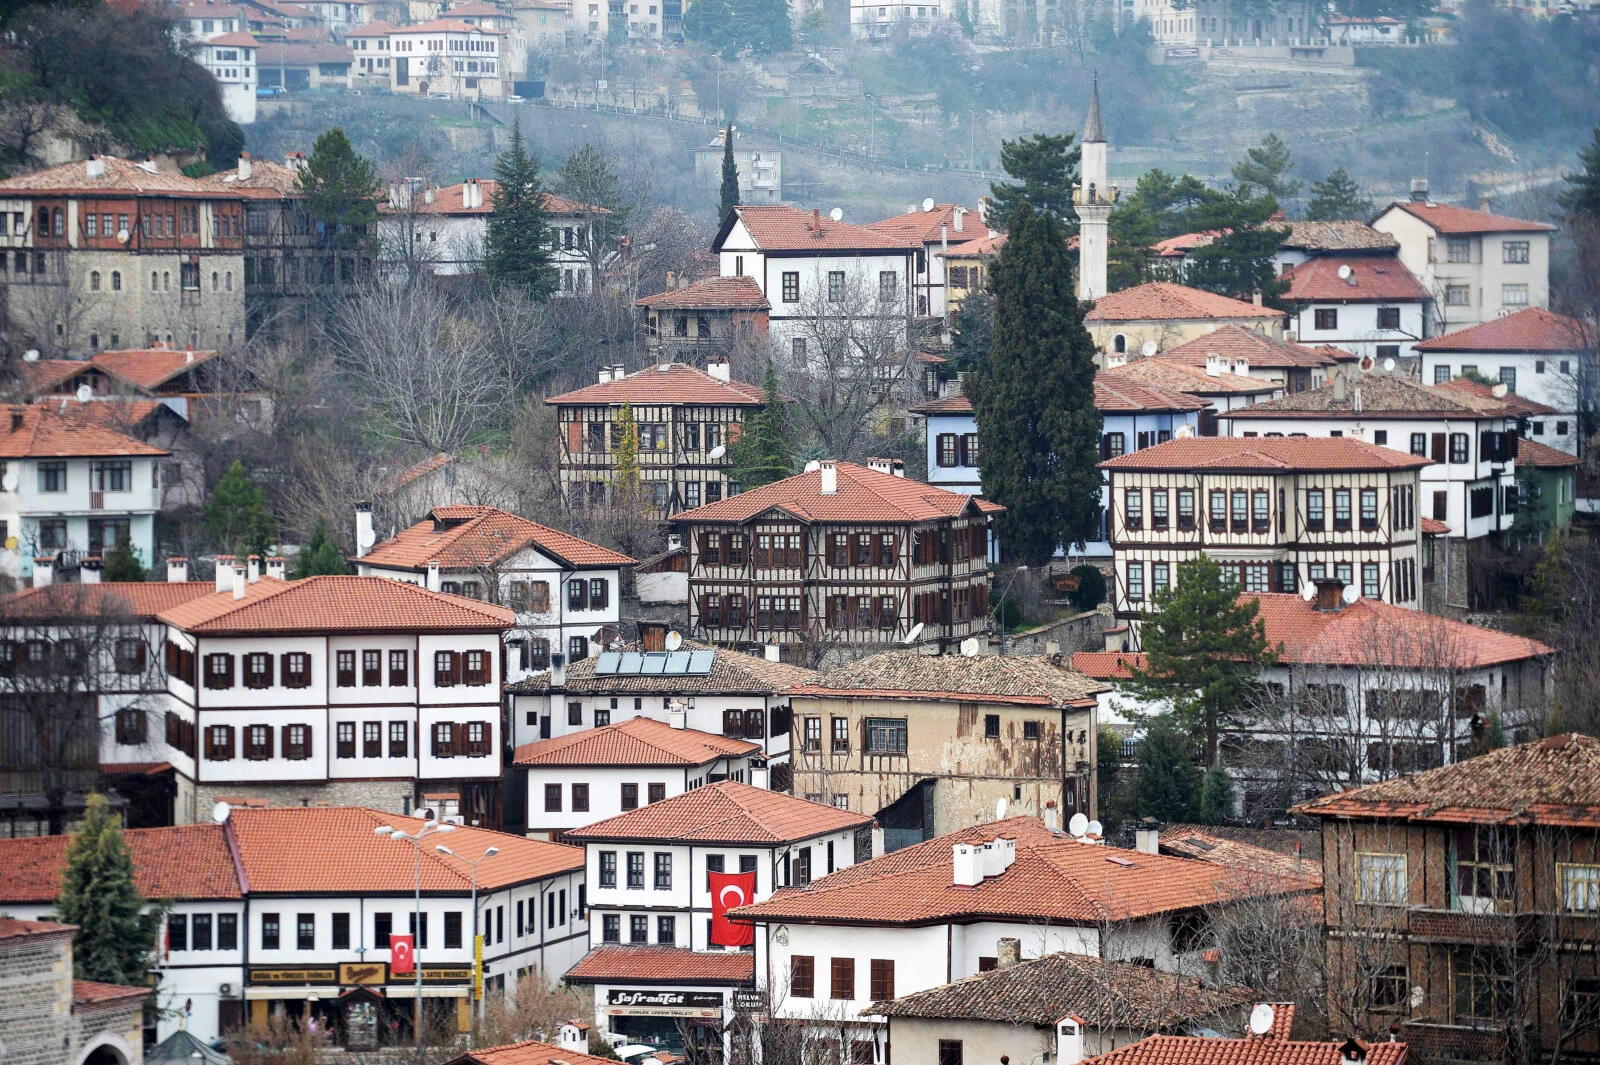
(1167,314)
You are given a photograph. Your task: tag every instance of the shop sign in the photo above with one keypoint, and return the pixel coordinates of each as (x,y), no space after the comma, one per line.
(362,973)
(746,1000)
(695,1000)
(447,974)
(303,975)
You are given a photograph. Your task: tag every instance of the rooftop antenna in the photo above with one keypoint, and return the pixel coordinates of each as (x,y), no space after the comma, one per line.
(674,640)
(1078,825)
(837,214)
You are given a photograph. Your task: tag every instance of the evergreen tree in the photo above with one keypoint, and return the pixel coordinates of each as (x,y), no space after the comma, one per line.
(1265,170)
(1045,168)
(516,248)
(626,481)
(1582,194)
(122,561)
(1216,796)
(1336,197)
(1239,263)
(1204,648)
(116,939)
(237,518)
(728,27)
(730,177)
(1033,398)
(341,195)
(589,176)
(1169,783)
(320,555)
(761,455)
(972,332)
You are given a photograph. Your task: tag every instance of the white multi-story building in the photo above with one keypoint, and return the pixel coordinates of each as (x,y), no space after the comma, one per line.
(231,59)
(934,228)
(564,591)
(447,58)
(288,912)
(1476,266)
(371,60)
(1370,306)
(657,978)
(1245,352)
(339,17)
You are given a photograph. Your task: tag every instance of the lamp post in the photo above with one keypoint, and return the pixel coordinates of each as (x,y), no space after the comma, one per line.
(872,127)
(477,972)
(1000,604)
(415,839)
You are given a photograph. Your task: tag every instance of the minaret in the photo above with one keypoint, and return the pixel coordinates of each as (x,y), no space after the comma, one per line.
(1093,200)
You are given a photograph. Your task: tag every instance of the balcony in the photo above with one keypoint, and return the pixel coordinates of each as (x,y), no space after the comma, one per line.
(1477,929)
(1459,1042)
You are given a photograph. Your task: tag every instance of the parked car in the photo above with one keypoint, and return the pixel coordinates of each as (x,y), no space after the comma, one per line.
(269,91)
(513,98)
(438,96)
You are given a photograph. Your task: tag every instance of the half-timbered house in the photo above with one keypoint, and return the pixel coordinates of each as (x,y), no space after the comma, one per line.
(840,554)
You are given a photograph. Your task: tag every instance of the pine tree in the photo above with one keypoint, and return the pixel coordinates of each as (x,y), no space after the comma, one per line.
(341,193)
(589,176)
(761,455)
(1337,197)
(626,481)
(116,939)
(1582,194)
(1266,170)
(972,332)
(516,248)
(121,563)
(1204,648)
(1045,167)
(1033,398)
(730,177)
(1169,783)
(237,517)
(1216,796)
(320,554)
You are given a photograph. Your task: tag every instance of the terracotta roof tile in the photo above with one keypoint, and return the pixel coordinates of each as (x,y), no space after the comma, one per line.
(1344,234)
(267,181)
(45,433)
(1107,665)
(120,414)
(637,741)
(1238,342)
(986,246)
(1458,220)
(1531,330)
(1372,280)
(531,1052)
(91,994)
(1201,1050)
(149,369)
(725,812)
(1553,781)
(1178,377)
(1180,245)
(466,537)
(678,383)
(333,604)
(1484,394)
(863,495)
(782,228)
(451,199)
(13,928)
(273,53)
(1100,993)
(663,965)
(1266,453)
(926,227)
(1121,394)
(232,40)
(119,176)
(1031,680)
(375,28)
(1385,395)
(185,861)
(1054,879)
(1434,527)
(421,469)
(1245,858)
(1164,301)
(46,375)
(732,673)
(107,600)
(1542,456)
(955,403)
(713,294)
(442,25)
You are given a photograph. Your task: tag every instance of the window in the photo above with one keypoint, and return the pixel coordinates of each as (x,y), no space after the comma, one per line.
(663,871)
(1341,509)
(1314,512)
(655,793)
(882,970)
(1388,317)
(399,739)
(991,726)
(1326,318)
(1160,580)
(1514,251)
(1458,295)
(946,449)
(446,668)
(258,670)
(444,739)
(1135,581)
(802,976)
(305,931)
(608,869)
(130,726)
(791,286)
(1369,508)
(950,1052)
(636,870)
(1186,509)
(1458,250)
(201,939)
(269,931)
(345,669)
(297,742)
(886,735)
(843,979)
(344,739)
(1369,580)
(1514,295)
(888,286)
(219,671)
(227,931)
(219,743)
(812,740)
(129,653)
(1391,988)
(630,797)
(52,476)
(452,930)
(1133,508)
(1113,445)
(475,669)
(611,928)
(580,798)
(372,739)
(1260,511)
(297,670)
(1381,879)
(1580,887)
(1483,988)
(1239,514)
(1458,447)
(1158,508)
(840,740)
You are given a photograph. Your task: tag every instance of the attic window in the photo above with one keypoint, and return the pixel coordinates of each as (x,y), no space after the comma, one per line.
(1117,860)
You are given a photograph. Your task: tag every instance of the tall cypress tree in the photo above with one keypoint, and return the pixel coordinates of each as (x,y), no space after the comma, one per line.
(626,480)
(761,454)
(516,249)
(1038,429)
(122,561)
(730,177)
(1582,193)
(116,938)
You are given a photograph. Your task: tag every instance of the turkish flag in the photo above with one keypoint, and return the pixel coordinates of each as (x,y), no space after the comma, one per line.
(729,891)
(402,954)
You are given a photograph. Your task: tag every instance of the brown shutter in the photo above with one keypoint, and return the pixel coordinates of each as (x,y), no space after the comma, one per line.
(1438,447)
(574,436)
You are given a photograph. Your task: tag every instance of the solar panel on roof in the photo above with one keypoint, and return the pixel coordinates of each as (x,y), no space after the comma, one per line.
(607,663)
(700,663)
(677,663)
(654,663)
(631,663)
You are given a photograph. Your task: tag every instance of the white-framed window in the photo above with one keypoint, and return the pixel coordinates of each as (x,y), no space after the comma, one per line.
(1514,295)
(1580,887)
(1381,879)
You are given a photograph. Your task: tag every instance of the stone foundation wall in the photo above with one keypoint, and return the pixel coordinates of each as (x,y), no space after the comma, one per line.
(390,796)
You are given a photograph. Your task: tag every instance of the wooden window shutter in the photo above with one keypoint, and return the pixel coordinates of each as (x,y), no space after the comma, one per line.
(574,436)
(735,429)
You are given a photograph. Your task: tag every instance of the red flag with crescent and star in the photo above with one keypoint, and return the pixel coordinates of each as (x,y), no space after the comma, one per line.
(729,891)
(402,954)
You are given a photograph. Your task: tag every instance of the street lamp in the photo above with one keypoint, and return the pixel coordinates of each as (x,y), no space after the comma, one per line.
(415,839)
(999,607)
(477,962)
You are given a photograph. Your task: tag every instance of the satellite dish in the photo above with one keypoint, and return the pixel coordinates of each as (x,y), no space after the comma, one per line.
(1345,272)
(927,204)
(1388,366)
(916,630)
(837,214)
(11,543)
(31,355)
(1000,808)
(674,640)
(1078,825)
(1148,348)
(1309,592)
(1499,391)
(221,812)
(716,452)
(1263,1015)
(1350,594)
(1418,997)
(366,538)
(970,647)
(122,236)
(12,479)
(1096,828)
(85,393)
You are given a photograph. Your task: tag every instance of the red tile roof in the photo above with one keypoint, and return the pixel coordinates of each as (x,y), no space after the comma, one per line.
(45,433)
(1238,342)
(12,928)
(120,176)
(1165,301)
(780,228)
(1387,395)
(725,812)
(232,40)
(1178,246)
(1178,377)
(46,375)
(1485,394)
(335,604)
(320,849)
(1107,665)
(451,199)
(91,994)
(1553,781)
(1266,453)
(955,403)
(1025,680)
(1187,841)
(863,496)
(1054,879)
(985,246)
(1434,527)
(1458,220)
(712,294)
(107,600)
(468,537)
(184,861)
(637,741)
(1533,330)
(1121,394)
(1372,280)
(663,965)
(1343,234)
(927,227)
(421,469)
(530,1052)
(1271,1050)
(677,383)
(443,25)
(267,181)
(151,368)
(375,28)
(1542,456)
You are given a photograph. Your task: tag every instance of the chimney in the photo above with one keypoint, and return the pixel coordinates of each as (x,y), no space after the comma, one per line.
(1213,365)
(829,471)
(1007,952)
(961,219)
(967,865)
(244,166)
(1358,399)
(1069,1041)
(295,160)
(277,567)
(1330,595)
(224,572)
(253,568)
(1419,190)
(678,715)
(427,194)
(759,775)
(674,541)
(816,220)
(89,570)
(1352,1053)
(44,570)
(433,575)
(240,583)
(719,369)
(1255,297)
(364,533)
(604,375)
(944,236)
(772,653)
(177,570)
(1147,836)
(18,414)
(558,671)
(880,465)
(94,167)
(1340,388)
(998,854)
